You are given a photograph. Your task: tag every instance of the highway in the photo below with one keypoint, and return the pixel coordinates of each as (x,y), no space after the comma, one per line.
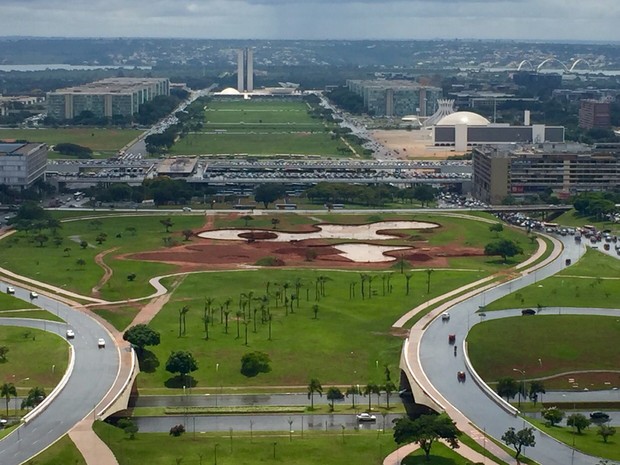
(93,375)
(440,365)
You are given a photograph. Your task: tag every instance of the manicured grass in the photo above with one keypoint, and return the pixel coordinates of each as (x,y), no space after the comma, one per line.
(53,265)
(562,344)
(571,218)
(288,221)
(36,314)
(62,452)
(8,302)
(440,455)
(357,447)
(588,441)
(120,318)
(353,335)
(258,144)
(99,140)
(594,264)
(32,354)
(468,441)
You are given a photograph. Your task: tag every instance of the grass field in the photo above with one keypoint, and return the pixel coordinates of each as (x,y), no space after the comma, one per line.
(440,455)
(39,314)
(588,441)
(357,447)
(62,452)
(53,265)
(591,282)
(545,345)
(8,302)
(354,335)
(259,127)
(99,140)
(119,317)
(32,354)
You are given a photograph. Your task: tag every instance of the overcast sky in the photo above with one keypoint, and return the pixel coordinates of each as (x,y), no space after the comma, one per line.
(592,20)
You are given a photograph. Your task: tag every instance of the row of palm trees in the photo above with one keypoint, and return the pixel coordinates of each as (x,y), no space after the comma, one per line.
(35,396)
(334,393)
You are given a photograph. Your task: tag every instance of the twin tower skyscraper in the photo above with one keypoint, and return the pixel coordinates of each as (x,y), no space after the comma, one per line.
(245,70)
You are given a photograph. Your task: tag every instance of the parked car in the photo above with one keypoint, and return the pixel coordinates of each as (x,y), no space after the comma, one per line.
(101,343)
(366,417)
(10,290)
(70,334)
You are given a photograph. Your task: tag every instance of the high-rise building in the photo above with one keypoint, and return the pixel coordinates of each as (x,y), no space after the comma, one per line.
(21,164)
(594,114)
(245,70)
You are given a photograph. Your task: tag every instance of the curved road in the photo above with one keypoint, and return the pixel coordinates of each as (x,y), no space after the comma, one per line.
(440,365)
(93,374)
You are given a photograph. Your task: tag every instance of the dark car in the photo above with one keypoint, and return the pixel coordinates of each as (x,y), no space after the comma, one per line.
(599,417)
(461,376)
(528,311)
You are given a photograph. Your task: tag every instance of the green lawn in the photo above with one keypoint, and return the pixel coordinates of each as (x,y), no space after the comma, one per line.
(440,455)
(38,355)
(119,317)
(357,447)
(588,441)
(53,265)
(99,140)
(36,314)
(594,264)
(258,144)
(544,345)
(63,451)
(8,302)
(354,335)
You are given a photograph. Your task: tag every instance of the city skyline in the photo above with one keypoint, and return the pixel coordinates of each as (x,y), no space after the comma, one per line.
(548,20)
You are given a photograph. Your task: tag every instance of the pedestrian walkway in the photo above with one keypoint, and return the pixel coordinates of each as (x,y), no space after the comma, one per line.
(92,448)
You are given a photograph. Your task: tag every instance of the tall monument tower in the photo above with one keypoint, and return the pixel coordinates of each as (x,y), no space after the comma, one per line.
(245,70)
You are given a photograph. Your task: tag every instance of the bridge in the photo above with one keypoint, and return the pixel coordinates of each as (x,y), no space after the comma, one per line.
(567,68)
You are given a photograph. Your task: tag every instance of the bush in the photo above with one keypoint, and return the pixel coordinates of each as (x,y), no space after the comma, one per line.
(177,430)
(254,363)
(269,261)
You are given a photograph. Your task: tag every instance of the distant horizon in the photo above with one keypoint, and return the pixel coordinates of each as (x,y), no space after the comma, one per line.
(436,39)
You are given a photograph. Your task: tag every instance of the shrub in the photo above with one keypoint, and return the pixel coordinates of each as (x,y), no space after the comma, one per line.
(177,430)
(269,261)
(254,363)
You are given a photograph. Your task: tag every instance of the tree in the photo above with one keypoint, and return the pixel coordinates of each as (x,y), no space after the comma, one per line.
(167,223)
(83,244)
(353,391)
(536,387)
(389,387)
(35,397)
(177,430)
(3,351)
(101,238)
(254,363)
(275,222)
(505,248)
(606,431)
(425,430)
(553,415)
(429,272)
(41,239)
(181,362)
(369,390)
(187,233)
(268,193)
(7,390)
(519,439)
(424,193)
(182,312)
(507,388)
(140,336)
(578,421)
(314,386)
(80,262)
(315,310)
(131,277)
(333,393)
(496,228)
(67,251)
(128,426)
(246,219)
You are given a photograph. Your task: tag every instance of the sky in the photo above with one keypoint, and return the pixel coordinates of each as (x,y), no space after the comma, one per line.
(567,20)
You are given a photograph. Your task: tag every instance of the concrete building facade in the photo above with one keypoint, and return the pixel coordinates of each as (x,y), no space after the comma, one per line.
(565,169)
(21,164)
(594,114)
(106,98)
(396,98)
(245,70)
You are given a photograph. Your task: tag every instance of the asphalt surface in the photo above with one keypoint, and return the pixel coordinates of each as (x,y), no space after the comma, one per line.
(223,423)
(93,375)
(441,366)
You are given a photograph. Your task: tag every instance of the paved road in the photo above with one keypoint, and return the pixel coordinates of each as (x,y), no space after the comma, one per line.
(216,423)
(441,366)
(93,374)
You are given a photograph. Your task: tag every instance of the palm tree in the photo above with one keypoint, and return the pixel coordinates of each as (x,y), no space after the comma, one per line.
(7,390)
(182,312)
(167,223)
(369,390)
(370,278)
(429,272)
(275,222)
(239,315)
(206,320)
(389,388)
(389,283)
(269,318)
(315,309)
(226,313)
(352,391)
(408,277)
(363,278)
(246,219)
(314,386)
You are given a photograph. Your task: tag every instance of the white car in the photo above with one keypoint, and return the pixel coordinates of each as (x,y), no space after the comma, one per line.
(33,295)
(101,343)
(10,290)
(445,316)
(70,334)
(366,417)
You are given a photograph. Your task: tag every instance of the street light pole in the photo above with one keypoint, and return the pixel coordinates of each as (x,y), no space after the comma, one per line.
(522,385)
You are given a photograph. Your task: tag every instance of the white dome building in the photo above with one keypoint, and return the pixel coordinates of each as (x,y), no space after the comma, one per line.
(463,117)
(229,91)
